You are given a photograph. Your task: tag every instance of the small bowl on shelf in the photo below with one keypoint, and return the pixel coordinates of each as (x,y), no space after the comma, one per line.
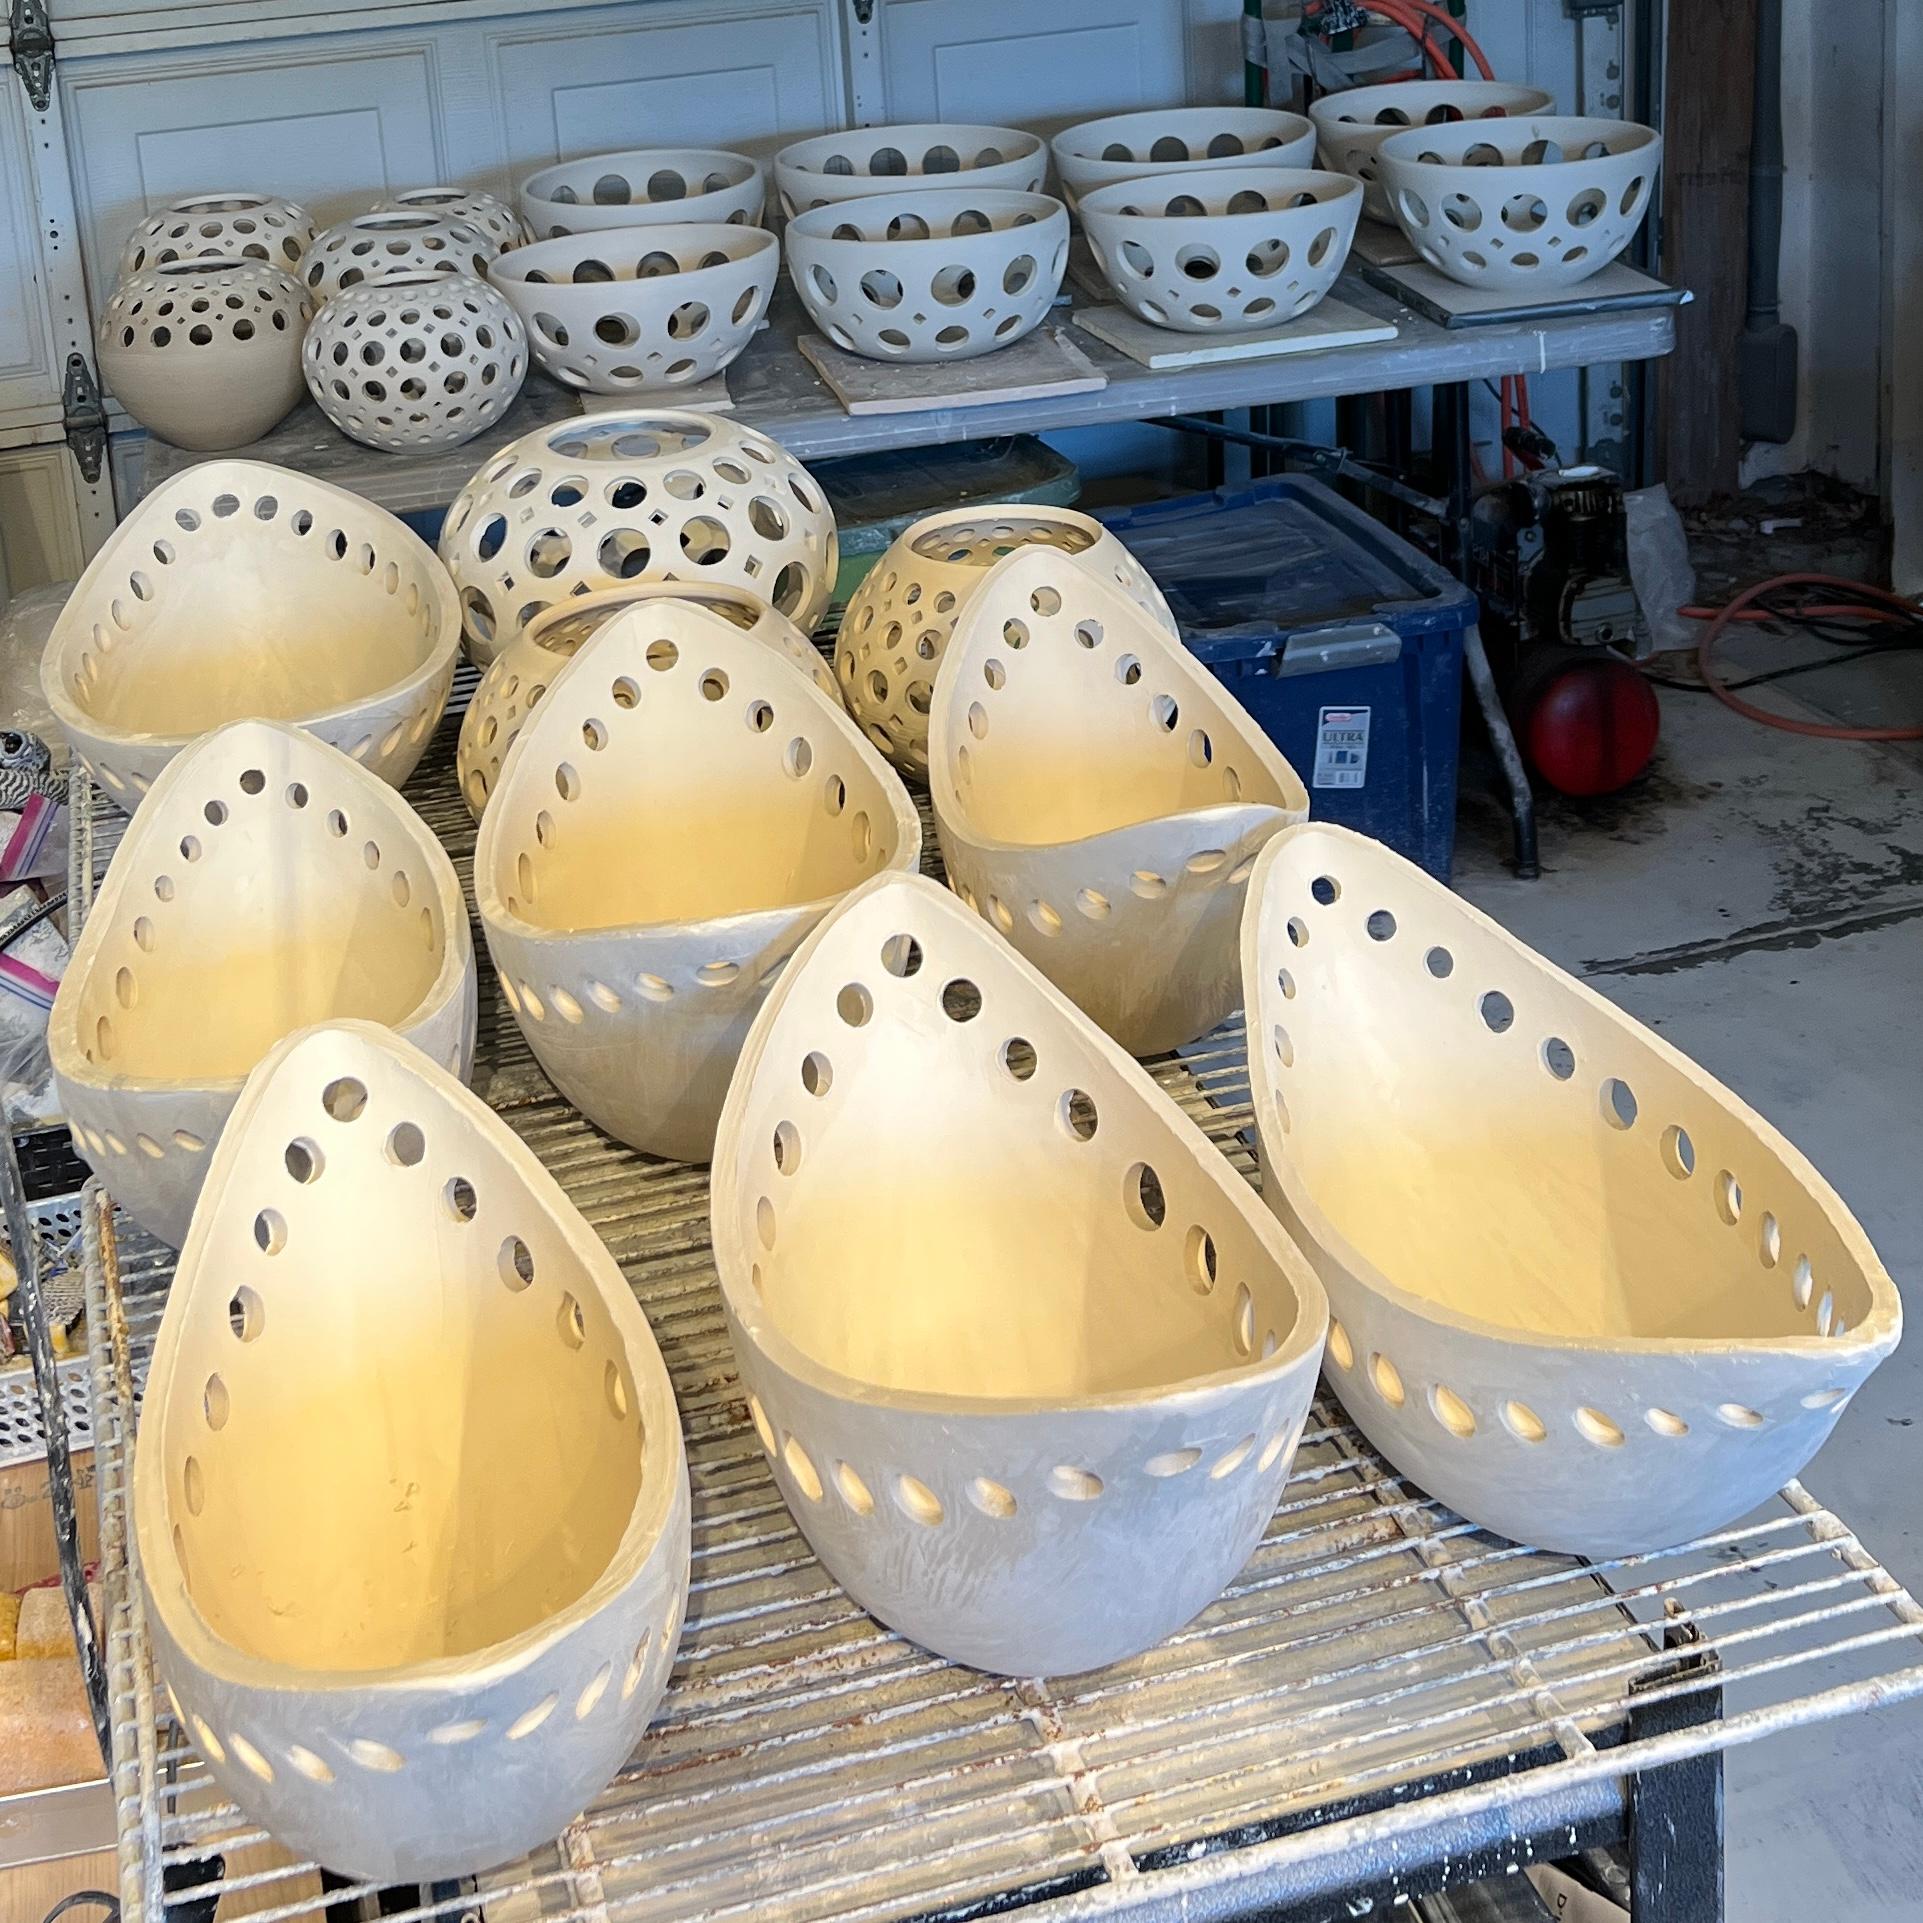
(860,161)
(230,226)
(1159,140)
(643,187)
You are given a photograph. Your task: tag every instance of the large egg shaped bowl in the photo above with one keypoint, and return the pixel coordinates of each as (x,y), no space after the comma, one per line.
(407,241)
(225,226)
(644,187)
(859,161)
(1134,146)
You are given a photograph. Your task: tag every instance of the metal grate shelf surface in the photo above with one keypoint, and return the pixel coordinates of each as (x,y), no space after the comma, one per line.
(1382,1687)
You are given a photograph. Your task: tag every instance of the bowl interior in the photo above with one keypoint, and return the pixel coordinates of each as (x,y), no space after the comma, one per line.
(1520,141)
(639,179)
(894,153)
(644,253)
(947,215)
(1181,137)
(1426,103)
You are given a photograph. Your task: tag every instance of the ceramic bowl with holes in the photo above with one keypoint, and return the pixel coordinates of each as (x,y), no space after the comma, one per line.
(898,621)
(1101,797)
(238,226)
(657,494)
(410,1642)
(266,882)
(939,275)
(407,242)
(1537,201)
(236,589)
(647,187)
(676,814)
(1612,1308)
(1034,1407)
(860,161)
(489,212)
(1136,146)
(1226,251)
(1351,125)
(521,673)
(205,353)
(641,308)
(415,361)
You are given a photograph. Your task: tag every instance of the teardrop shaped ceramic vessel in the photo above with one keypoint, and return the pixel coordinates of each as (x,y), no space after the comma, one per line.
(680,810)
(409,1493)
(1100,797)
(1582,1293)
(1033,1404)
(266,883)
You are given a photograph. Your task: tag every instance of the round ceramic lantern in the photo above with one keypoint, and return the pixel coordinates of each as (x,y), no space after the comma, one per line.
(898,621)
(656,494)
(1159,140)
(236,226)
(859,161)
(937,274)
(408,242)
(415,361)
(489,212)
(522,672)
(646,187)
(638,308)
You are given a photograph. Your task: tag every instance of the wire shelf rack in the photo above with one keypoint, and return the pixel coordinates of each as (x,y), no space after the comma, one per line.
(1384,1685)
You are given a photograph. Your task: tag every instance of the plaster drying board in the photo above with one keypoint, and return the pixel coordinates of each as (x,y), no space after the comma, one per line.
(1330,323)
(1040,364)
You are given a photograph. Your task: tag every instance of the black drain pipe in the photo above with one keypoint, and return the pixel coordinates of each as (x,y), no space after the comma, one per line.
(1767,363)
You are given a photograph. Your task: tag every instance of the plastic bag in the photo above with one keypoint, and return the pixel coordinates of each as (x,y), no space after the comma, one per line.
(30,969)
(1660,568)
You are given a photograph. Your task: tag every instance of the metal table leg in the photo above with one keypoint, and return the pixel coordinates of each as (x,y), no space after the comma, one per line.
(1676,1812)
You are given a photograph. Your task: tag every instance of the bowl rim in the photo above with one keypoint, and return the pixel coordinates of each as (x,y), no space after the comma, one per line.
(795,158)
(1321,110)
(1647,143)
(534,188)
(743,244)
(1221,180)
(1047,208)
(1285,120)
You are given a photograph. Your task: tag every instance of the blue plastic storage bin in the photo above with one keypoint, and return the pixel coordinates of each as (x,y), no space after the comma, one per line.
(1342,640)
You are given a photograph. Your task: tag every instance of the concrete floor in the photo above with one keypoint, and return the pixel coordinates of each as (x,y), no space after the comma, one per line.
(1759,900)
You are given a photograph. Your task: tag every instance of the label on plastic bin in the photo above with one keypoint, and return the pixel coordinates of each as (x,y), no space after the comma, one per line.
(1341,748)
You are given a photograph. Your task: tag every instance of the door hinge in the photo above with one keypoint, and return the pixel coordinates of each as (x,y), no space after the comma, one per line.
(864,12)
(32,35)
(84,416)
(1590,9)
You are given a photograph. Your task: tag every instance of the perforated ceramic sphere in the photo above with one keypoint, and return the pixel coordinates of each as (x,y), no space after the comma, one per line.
(858,161)
(1629,1324)
(266,882)
(657,494)
(641,308)
(1034,1406)
(415,361)
(898,621)
(236,226)
(410,1495)
(1536,201)
(489,212)
(377,246)
(1223,252)
(1101,797)
(1351,125)
(1133,146)
(644,187)
(521,673)
(676,814)
(205,353)
(937,275)
(236,589)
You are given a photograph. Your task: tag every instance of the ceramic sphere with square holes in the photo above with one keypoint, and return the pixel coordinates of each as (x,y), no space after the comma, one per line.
(657,494)
(646,187)
(415,361)
(1537,201)
(406,241)
(1226,251)
(1159,140)
(236,226)
(489,212)
(939,275)
(859,161)
(641,308)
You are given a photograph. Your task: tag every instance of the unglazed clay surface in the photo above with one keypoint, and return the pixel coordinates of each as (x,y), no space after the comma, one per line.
(932,275)
(678,812)
(1101,797)
(657,494)
(1350,126)
(409,241)
(233,226)
(1131,146)
(409,1493)
(859,161)
(205,353)
(237,589)
(1033,1399)
(1226,250)
(643,188)
(898,621)
(1536,201)
(266,882)
(520,675)
(1610,1308)
(415,361)
(489,212)
(621,310)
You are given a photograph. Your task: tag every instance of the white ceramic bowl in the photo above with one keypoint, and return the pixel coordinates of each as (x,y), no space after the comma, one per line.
(1129,146)
(859,161)
(489,212)
(641,308)
(233,226)
(645,187)
(1226,251)
(405,242)
(1533,202)
(941,274)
